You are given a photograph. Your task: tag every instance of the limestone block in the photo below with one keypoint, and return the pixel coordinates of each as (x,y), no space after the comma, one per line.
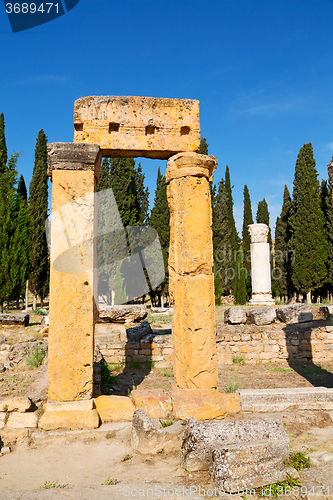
(146,438)
(114,408)
(72,304)
(138,332)
(261,316)
(326,311)
(234,315)
(14,319)
(83,405)
(247,466)
(128,313)
(153,402)
(202,438)
(295,313)
(302,398)
(137,126)
(52,420)
(22,420)
(69,156)
(203,404)
(15,404)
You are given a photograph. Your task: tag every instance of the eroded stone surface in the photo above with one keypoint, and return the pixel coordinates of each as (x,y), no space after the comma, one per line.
(203,404)
(22,420)
(191,281)
(127,126)
(146,438)
(114,408)
(15,404)
(52,420)
(295,313)
(201,439)
(123,313)
(138,332)
(261,316)
(72,305)
(154,402)
(235,315)
(14,319)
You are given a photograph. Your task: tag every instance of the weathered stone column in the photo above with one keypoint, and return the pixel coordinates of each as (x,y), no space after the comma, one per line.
(191,279)
(74,168)
(260,265)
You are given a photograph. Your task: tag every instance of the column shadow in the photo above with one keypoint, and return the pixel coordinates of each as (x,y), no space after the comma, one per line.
(302,341)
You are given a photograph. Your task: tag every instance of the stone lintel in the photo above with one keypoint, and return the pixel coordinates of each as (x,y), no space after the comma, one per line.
(69,156)
(83,405)
(128,126)
(190,164)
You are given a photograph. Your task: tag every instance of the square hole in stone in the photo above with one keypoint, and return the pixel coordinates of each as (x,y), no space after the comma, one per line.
(185,130)
(78,127)
(113,127)
(150,129)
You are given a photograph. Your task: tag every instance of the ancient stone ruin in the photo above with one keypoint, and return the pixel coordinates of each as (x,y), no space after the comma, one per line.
(128,127)
(260,266)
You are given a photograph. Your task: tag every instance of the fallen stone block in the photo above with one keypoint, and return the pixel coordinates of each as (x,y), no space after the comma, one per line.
(124,313)
(261,316)
(14,319)
(146,438)
(139,331)
(162,311)
(114,408)
(202,438)
(326,311)
(247,466)
(22,421)
(203,404)
(296,313)
(15,404)
(53,420)
(301,398)
(153,402)
(235,316)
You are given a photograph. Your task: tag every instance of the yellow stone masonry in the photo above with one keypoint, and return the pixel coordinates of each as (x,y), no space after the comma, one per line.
(191,280)
(126,126)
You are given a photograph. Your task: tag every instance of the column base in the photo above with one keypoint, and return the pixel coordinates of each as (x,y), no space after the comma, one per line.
(203,404)
(261,299)
(69,415)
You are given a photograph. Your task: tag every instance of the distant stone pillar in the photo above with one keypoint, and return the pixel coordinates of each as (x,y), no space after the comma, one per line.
(260,265)
(191,279)
(74,168)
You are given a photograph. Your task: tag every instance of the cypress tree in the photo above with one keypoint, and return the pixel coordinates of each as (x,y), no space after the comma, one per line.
(327,209)
(3,147)
(221,254)
(142,197)
(122,181)
(262,217)
(203,149)
(247,220)
(240,286)
(104,176)
(282,269)
(307,225)
(38,206)
(160,221)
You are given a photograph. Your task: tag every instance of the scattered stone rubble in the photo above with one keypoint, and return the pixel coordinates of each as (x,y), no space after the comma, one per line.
(125,313)
(14,319)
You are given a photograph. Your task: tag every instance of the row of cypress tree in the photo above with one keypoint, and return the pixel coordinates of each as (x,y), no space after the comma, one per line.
(23,246)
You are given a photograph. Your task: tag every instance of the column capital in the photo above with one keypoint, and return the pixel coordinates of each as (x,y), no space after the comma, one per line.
(258,233)
(70,156)
(190,164)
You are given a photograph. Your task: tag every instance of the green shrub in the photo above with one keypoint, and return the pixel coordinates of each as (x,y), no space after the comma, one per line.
(298,461)
(231,387)
(35,356)
(110,480)
(238,360)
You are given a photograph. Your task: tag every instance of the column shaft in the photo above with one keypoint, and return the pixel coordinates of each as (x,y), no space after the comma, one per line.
(191,279)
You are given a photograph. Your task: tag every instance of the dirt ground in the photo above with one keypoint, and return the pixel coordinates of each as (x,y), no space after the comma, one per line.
(83,461)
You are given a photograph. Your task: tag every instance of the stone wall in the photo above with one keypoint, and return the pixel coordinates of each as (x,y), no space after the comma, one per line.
(278,342)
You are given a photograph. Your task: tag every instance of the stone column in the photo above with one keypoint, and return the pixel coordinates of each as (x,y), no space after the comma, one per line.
(260,266)
(191,279)
(73,168)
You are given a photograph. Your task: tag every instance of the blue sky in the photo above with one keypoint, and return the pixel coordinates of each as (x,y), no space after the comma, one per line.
(262,71)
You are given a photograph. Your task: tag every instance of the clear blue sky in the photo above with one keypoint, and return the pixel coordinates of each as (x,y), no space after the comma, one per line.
(262,71)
